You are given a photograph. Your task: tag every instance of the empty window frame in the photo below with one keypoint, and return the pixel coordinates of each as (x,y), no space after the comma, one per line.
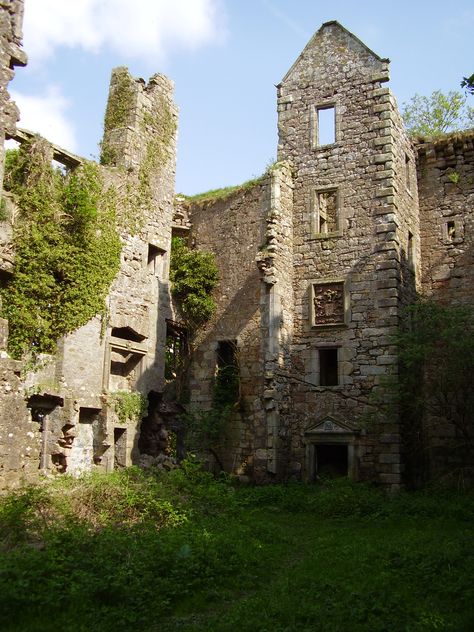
(328,367)
(326,212)
(324,132)
(227,380)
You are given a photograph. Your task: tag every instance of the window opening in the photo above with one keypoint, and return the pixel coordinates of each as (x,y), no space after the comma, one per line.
(451,230)
(326,126)
(328,367)
(155,260)
(176,350)
(226,385)
(331,461)
(326,208)
(127,333)
(125,358)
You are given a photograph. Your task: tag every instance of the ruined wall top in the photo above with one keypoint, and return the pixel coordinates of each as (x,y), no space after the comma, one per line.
(136,113)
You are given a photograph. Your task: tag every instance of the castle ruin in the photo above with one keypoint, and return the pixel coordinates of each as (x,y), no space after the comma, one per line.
(317,259)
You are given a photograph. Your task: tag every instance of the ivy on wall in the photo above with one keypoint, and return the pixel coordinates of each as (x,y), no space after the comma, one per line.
(193,276)
(67,249)
(118,111)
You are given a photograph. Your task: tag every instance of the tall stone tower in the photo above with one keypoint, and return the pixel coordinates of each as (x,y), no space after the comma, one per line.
(355,251)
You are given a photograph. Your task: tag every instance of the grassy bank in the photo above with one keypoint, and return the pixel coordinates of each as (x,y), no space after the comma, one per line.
(134,551)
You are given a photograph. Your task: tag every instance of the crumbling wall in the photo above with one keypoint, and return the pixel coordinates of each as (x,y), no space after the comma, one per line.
(446,189)
(69,401)
(11,55)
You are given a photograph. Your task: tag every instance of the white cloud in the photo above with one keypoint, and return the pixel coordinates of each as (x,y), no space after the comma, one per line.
(46,115)
(129,27)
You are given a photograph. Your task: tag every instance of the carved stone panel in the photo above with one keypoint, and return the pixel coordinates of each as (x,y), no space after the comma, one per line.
(328,304)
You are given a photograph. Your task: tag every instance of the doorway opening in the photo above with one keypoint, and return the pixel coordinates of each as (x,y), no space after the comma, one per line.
(331,460)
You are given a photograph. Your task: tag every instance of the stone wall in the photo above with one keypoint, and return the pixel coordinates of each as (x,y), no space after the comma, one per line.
(317,261)
(11,55)
(234,230)
(65,417)
(345,264)
(446,192)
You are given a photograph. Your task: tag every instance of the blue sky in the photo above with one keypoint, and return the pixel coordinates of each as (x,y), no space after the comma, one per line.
(225,57)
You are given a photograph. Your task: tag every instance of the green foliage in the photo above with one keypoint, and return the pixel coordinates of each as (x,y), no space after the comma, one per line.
(468,83)
(206,428)
(454,176)
(193,275)
(436,350)
(119,107)
(437,114)
(129,406)
(130,551)
(67,250)
(3,210)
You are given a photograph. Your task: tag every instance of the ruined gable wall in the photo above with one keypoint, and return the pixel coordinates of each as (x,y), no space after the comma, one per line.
(336,69)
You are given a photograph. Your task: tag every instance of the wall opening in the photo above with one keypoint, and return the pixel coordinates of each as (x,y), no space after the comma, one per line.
(328,367)
(326,125)
(326,212)
(155,260)
(127,333)
(227,383)
(451,230)
(410,250)
(176,350)
(124,364)
(331,460)
(407,172)
(120,447)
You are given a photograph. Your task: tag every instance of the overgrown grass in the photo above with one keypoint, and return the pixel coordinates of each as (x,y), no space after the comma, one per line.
(223,193)
(182,551)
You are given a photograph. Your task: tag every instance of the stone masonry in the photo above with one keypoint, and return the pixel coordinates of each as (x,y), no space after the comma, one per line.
(316,260)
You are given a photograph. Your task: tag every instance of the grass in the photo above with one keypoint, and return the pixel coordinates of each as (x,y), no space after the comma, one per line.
(181,551)
(223,193)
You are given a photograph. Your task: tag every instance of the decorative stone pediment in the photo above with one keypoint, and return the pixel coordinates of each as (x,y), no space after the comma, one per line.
(329,425)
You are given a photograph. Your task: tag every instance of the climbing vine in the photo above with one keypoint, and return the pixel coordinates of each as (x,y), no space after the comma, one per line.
(193,276)
(118,110)
(67,249)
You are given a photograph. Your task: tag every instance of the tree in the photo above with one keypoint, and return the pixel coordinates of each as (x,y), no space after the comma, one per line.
(437,114)
(436,351)
(468,83)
